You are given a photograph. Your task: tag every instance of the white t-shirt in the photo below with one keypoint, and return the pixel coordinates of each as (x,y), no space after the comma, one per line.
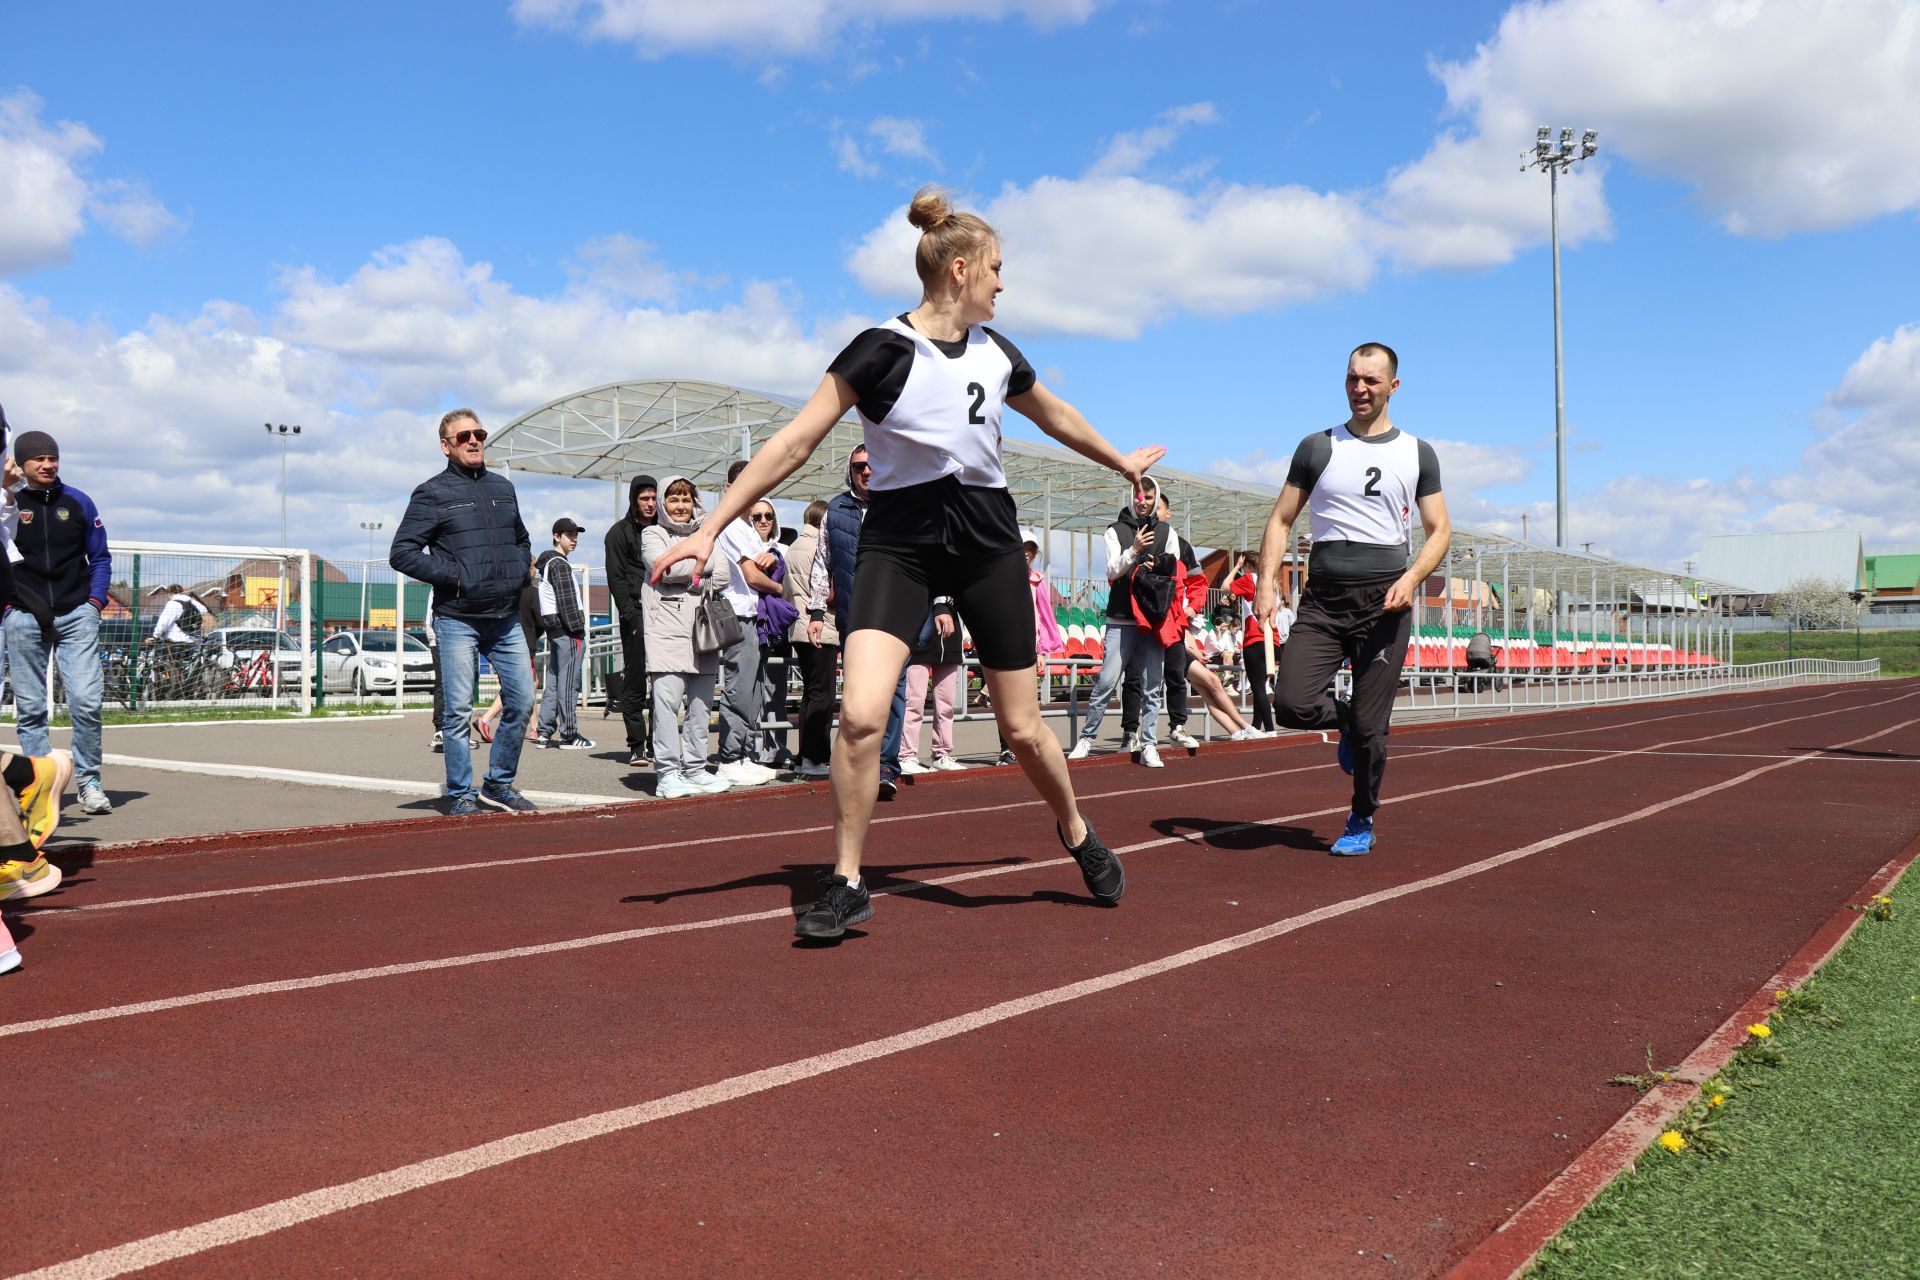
(736,542)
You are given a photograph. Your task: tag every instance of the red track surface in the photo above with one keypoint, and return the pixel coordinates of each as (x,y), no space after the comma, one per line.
(1370,1090)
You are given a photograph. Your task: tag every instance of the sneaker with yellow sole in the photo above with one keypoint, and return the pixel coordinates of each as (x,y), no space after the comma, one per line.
(27,879)
(40,802)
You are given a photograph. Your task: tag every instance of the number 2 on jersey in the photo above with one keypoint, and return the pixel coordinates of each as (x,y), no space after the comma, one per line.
(1373,483)
(979,394)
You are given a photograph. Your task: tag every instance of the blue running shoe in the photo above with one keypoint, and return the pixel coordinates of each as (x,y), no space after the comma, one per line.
(1344,752)
(1357,840)
(462,806)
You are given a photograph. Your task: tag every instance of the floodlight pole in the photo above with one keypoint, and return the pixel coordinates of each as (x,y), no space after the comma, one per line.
(283,432)
(1555,158)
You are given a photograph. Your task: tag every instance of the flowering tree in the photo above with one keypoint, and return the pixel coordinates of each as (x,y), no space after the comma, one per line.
(1815,604)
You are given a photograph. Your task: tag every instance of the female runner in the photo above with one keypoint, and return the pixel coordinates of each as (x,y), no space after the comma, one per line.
(930,386)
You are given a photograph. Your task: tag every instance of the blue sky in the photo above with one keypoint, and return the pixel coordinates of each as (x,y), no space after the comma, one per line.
(354,216)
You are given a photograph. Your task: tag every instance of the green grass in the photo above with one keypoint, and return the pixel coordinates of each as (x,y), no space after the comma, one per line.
(1898,651)
(1817,1171)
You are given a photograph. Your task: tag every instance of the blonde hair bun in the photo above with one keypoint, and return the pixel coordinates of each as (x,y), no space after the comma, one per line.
(930,209)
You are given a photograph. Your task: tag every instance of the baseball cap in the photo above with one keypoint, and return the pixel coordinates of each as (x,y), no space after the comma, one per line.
(566,525)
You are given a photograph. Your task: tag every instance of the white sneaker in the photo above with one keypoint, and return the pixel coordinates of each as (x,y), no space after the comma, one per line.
(93,799)
(711,784)
(1150,756)
(676,787)
(1081,749)
(947,764)
(1243,735)
(1181,738)
(1131,742)
(812,769)
(911,764)
(744,773)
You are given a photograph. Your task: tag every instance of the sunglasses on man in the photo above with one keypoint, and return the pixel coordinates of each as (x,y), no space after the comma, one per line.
(470,434)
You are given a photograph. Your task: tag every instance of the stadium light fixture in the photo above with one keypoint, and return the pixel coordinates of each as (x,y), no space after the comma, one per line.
(1554,160)
(283,433)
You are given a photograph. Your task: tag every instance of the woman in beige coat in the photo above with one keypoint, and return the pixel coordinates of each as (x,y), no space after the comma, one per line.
(683,678)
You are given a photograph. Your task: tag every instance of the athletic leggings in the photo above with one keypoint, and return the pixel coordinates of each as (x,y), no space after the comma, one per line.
(1255,656)
(1343,621)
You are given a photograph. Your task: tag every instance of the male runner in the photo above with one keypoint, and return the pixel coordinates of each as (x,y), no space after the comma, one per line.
(1360,482)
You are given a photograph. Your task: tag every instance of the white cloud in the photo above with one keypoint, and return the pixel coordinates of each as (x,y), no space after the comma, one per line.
(891,135)
(1792,115)
(1128,153)
(1111,256)
(783,27)
(161,423)
(904,138)
(43,197)
(46,196)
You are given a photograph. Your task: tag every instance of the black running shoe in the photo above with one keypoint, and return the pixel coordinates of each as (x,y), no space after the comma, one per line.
(841,905)
(888,788)
(1106,880)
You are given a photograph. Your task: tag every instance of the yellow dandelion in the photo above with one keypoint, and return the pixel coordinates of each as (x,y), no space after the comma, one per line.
(1717,1100)
(1760,1029)
(1672,1141)
(1883,900)
(1779,995)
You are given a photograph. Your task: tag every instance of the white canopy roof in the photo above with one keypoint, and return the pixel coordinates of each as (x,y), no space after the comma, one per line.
(696,429)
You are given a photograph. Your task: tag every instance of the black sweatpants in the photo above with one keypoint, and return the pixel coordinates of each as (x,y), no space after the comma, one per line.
(1255,657)
(1174,699)
(816,700)
(634,697)
(1343,621)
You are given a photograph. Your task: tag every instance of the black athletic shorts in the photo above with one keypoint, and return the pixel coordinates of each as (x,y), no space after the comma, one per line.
(894,586)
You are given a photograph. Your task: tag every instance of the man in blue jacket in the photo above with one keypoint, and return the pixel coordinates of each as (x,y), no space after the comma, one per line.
(462,533)
(64,560)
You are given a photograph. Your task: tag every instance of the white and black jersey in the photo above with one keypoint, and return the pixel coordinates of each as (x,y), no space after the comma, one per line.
(1361,492)
(932,410)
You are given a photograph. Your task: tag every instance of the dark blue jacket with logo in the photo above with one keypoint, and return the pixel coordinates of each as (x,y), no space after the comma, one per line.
(63,547)
(462,533)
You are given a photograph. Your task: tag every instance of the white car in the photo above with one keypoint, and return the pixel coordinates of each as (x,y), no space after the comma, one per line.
(241,645)
(363,661)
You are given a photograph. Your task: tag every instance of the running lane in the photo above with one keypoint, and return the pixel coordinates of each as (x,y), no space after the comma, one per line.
(1379,1080)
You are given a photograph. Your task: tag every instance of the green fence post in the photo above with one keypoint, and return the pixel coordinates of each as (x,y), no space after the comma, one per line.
(133,650)
(319,646)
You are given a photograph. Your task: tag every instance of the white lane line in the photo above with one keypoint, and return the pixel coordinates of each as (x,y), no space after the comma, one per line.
(51,905)
(278,1215)
(324,881)
(628,935)
(490,864)
(345,781)
(1819,754)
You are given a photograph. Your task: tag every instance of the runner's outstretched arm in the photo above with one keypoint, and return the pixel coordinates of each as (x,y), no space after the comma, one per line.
(772,462)
(1070,427)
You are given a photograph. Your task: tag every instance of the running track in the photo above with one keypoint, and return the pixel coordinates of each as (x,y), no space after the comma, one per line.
(589,1045)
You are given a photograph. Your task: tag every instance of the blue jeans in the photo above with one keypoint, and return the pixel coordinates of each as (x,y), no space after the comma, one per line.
(77,649)
(1127,648)
(501,640)
(890,741)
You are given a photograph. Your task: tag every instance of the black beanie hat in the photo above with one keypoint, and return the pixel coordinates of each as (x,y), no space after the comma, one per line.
(34,444)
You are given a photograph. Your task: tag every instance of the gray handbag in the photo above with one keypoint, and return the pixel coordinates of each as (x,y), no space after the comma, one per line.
(715,625)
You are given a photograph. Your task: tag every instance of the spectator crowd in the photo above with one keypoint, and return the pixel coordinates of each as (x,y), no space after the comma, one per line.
(734,639)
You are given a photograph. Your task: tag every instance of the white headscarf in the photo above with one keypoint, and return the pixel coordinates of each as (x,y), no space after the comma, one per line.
(667,522)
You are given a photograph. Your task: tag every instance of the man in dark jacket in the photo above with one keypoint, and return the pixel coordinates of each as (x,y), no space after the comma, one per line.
(626,571)
(565,625)
(63,561)
(832,576)
(462,533)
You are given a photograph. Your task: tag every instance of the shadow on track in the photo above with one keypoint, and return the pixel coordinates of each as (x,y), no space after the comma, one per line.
(1220,833)
(803,880)
(1858,755)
